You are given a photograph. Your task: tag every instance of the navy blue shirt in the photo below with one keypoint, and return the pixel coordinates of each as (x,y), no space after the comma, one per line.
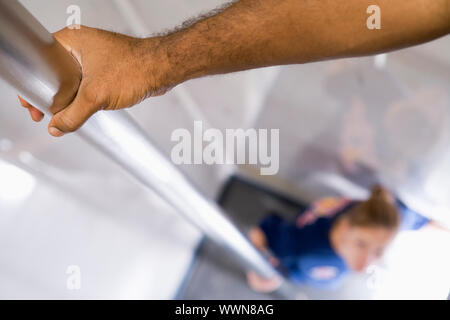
(303,246)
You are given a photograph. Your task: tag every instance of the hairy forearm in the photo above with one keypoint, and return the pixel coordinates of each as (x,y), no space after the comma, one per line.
(119,71)
(258,33)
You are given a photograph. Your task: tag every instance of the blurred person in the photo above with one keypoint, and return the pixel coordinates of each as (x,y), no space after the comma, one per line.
(332,237)
(119,71)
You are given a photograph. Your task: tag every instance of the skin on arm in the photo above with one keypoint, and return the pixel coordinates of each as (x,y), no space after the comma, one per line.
(119,71)
(259,33)
(433,225)
(258,238)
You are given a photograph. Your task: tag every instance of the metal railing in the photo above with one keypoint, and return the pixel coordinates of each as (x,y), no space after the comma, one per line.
(45,74)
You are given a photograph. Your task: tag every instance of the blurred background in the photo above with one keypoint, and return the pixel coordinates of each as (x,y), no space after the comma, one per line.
(344,125)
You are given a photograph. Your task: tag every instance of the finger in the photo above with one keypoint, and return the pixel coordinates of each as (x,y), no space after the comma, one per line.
(24,103)
(75,115)
(252,280)
(261,284)
(63,36)
(35,114)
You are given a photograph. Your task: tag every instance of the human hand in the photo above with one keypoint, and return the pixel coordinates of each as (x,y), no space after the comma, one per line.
(260,284)
(118,71)
(258,238)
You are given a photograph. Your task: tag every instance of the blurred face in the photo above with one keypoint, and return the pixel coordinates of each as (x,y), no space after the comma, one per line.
(362,246)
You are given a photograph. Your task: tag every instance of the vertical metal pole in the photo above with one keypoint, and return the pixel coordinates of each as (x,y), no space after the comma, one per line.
(35,64)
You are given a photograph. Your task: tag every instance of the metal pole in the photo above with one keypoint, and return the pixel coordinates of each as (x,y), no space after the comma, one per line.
(38,67)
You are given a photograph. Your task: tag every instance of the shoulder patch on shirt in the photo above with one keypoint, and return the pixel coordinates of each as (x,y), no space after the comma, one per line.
(323,272)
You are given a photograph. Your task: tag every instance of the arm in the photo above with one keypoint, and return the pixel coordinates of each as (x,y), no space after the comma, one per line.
(433,225)
(413,220)
(120,71)
(259,33)
(256,282)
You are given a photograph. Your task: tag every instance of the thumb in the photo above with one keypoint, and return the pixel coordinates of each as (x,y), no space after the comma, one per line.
(75,115)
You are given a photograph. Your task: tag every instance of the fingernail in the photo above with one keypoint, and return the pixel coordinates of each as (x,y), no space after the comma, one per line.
(55,132)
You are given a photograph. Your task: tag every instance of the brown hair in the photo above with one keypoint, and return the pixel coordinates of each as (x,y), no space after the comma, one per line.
(378,211)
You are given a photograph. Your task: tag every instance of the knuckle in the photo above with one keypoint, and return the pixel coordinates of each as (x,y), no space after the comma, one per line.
(69,33)
(68,124)
(61,33)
